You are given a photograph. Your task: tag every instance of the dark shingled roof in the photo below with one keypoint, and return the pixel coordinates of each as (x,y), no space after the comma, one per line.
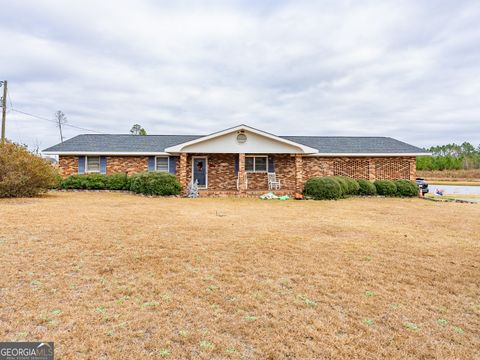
(158,143)
(355,145)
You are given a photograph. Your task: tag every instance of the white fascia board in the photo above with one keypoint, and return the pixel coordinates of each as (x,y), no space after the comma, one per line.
(370,154)
(178,148)
(108,153)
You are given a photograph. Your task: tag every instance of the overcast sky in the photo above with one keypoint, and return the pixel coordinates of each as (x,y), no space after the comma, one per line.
(406,69)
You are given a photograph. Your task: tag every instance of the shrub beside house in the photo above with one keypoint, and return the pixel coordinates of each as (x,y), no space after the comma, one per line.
(24,174)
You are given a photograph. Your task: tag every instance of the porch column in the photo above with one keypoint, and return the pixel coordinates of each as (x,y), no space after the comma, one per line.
(241,173)
(182,171)
(371,169)
(299,173)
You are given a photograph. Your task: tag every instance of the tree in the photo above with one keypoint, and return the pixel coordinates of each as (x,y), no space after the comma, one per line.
(61,119)
(138,130)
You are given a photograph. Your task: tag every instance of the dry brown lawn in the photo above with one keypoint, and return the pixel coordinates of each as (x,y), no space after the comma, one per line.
(108,275)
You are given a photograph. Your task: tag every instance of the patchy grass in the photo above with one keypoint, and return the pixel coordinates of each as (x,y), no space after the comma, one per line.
(99,273)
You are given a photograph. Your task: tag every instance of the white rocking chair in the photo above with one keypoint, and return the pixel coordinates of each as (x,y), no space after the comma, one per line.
(273,183)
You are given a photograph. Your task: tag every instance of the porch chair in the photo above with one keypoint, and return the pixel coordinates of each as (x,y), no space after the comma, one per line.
(273,183)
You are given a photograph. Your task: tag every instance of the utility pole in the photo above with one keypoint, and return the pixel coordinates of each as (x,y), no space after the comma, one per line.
(61,119)
(4,108)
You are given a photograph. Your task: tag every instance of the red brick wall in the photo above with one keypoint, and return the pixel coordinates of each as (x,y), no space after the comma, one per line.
(221,171)
(391,168)
(222,177)
(67,165)
(126,164)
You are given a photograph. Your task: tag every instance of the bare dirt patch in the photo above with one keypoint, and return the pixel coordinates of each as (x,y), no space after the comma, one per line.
(108,275)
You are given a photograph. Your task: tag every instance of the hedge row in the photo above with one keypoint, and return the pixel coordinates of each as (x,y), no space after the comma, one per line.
(148,183)
(337,187)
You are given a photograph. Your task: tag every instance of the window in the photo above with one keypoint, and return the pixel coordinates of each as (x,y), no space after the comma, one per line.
(161,163)
(256,163)
(93,164)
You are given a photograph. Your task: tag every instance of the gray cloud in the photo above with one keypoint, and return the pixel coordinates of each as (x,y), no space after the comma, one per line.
(405,69)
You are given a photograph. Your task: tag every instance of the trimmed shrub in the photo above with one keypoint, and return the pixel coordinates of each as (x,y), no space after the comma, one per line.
(86,182)
(22,173)
(117,182)
(406,188)
(343,184)
(72,182)
(323,188)
(155,183)
(352,185)
(385,187)
(366,188)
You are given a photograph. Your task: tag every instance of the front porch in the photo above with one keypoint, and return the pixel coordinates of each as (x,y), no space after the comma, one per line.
(240,174)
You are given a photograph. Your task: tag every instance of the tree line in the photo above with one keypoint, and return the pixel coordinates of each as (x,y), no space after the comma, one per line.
(451,157)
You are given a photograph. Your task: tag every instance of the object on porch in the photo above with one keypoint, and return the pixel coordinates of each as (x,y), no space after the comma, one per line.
(192,190)
(273,183)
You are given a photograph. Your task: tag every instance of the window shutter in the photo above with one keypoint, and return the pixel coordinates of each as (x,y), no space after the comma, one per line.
(172,164)
(81,164)
(236,166)
(271,165)
(151,163)
(103,164)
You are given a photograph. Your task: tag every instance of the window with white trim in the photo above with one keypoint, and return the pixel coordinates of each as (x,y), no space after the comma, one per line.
(256,163)
(92,164)
(161,164)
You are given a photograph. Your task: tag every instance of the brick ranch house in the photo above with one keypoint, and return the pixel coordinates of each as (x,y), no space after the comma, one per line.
(239,160)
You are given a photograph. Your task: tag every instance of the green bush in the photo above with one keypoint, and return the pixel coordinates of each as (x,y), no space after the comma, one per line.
(343,184)
(385,187)
(366,188)
(85,182)
(22,173)
(117,182)
(352,185)
(323,188)
(406,188)
(155,183)
(72,182)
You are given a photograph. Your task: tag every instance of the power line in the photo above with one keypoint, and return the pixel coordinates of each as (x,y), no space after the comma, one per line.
(54,121)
